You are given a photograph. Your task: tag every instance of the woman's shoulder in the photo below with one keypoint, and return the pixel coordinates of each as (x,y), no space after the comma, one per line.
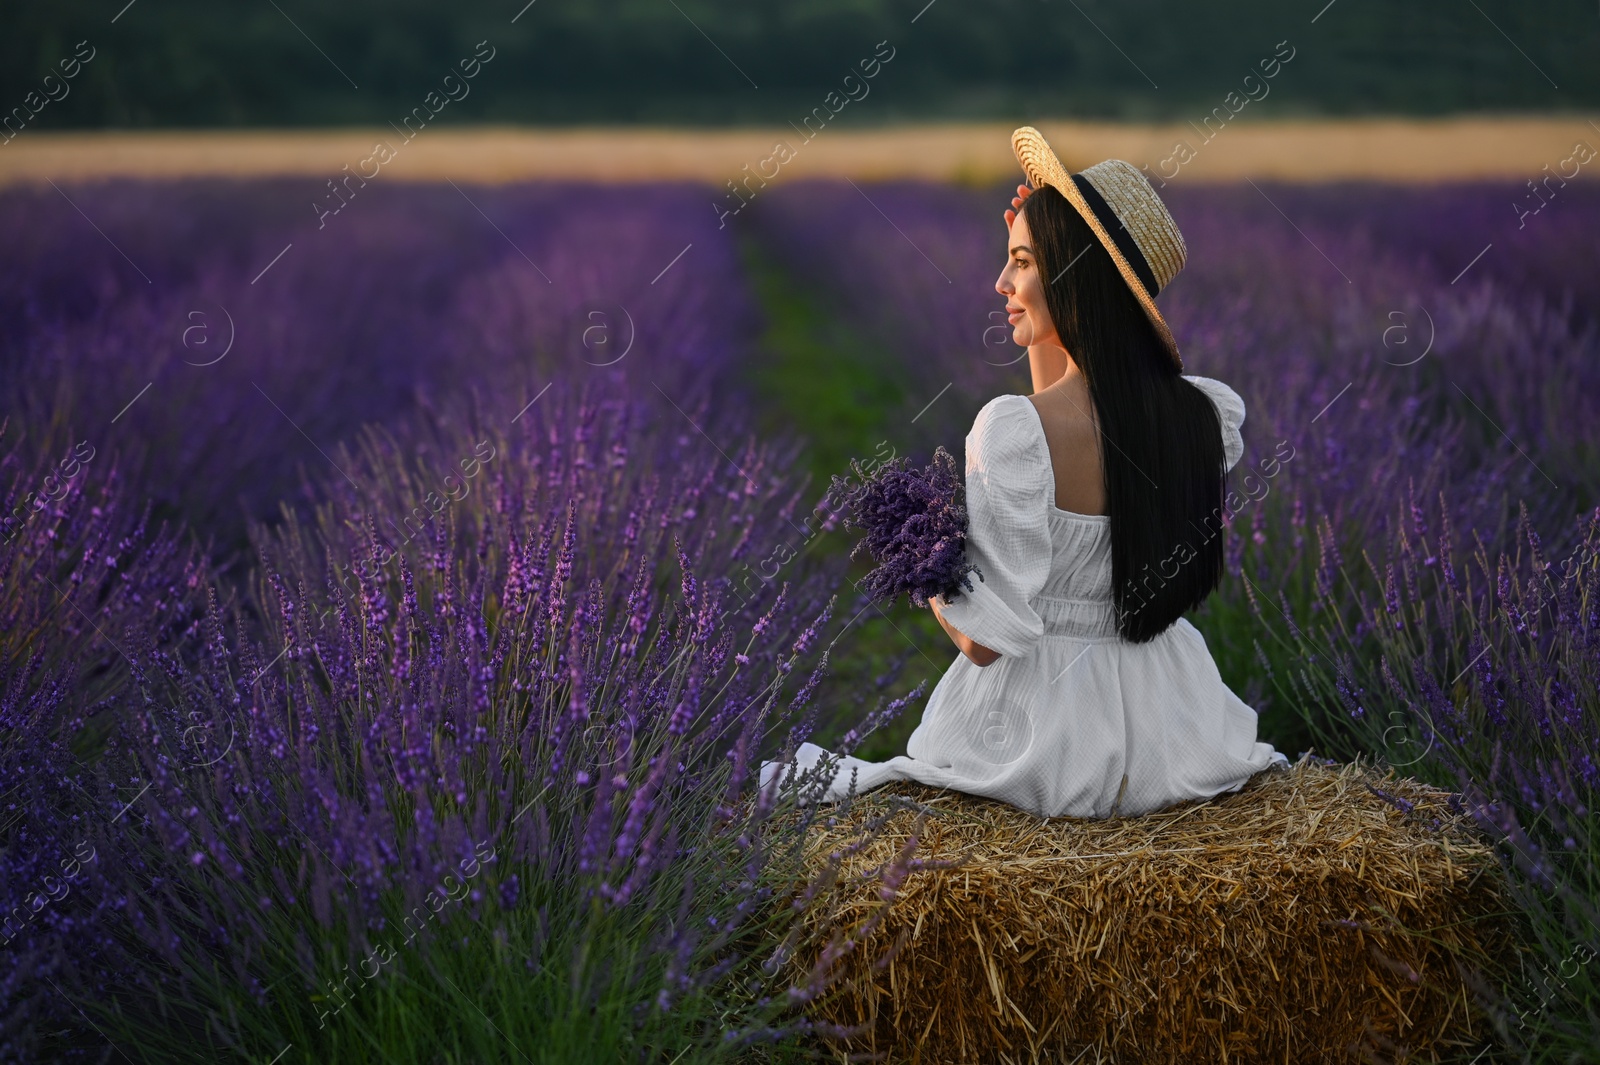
(1007,410)
(1006,436)
(1230,412)
(1229,402)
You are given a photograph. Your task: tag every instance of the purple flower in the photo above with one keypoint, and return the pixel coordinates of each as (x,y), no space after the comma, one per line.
(915,524)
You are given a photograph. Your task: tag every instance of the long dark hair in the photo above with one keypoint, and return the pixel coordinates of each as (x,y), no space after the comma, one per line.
(1161,440)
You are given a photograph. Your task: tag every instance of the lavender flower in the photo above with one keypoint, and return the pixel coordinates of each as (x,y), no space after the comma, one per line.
(916,527)
(282,814)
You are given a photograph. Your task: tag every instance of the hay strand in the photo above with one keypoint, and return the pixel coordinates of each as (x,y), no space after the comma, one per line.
(1292,921)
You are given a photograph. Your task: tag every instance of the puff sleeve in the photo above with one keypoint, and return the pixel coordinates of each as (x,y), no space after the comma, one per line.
(1230,411)
(1008,533)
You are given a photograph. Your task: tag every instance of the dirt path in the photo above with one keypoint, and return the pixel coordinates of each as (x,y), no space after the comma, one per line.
(1514,148)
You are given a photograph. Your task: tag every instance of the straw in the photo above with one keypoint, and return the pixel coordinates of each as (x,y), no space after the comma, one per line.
(1296,920)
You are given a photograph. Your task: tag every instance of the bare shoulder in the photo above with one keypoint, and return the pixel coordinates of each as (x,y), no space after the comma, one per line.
(1065,413)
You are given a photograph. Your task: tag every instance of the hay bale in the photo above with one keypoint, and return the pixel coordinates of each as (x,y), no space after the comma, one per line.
(1296,920)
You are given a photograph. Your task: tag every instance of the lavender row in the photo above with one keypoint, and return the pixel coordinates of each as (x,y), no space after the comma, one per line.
(527,726)
(218,338)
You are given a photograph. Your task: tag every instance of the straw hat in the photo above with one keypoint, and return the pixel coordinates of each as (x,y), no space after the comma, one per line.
(1125,213)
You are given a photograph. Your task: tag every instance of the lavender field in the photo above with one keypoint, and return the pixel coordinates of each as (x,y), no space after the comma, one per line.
(395,611)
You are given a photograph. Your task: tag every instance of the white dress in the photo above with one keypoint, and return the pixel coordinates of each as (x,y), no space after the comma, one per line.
(1072,720)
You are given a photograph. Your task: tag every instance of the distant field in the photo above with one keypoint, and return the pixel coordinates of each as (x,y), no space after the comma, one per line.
(1409,151)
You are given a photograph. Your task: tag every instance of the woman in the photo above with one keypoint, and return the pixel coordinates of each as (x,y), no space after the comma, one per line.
(1094,507)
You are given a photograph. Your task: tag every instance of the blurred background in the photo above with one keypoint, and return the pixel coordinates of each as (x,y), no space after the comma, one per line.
(280,63)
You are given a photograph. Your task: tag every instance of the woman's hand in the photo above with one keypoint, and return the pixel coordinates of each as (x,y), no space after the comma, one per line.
(978,654)
(1023,192)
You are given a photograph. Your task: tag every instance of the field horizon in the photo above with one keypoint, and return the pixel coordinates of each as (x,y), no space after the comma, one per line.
(1394,150)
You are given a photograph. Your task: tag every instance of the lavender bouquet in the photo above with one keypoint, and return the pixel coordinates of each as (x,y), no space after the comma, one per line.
(916,527)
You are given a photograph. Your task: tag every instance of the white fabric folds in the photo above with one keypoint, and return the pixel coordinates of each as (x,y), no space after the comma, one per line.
(1071,720)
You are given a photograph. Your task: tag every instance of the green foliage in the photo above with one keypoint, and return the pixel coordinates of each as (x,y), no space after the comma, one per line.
(817,375)
(192,63)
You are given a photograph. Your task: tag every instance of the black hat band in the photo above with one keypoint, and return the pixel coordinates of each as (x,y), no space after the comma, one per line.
(1119,234)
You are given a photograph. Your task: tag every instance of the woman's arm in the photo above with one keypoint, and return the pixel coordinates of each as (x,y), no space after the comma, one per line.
(976,652)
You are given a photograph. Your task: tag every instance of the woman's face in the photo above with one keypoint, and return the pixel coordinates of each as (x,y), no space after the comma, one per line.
(1023,289)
